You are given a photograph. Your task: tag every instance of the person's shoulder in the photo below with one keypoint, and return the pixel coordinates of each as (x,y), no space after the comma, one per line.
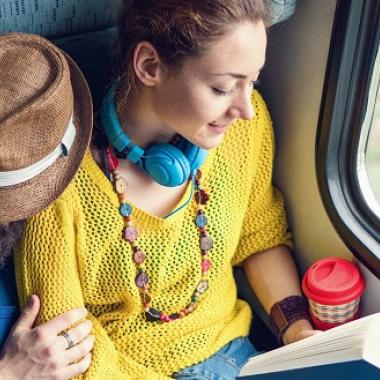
(258,100)
(262,116)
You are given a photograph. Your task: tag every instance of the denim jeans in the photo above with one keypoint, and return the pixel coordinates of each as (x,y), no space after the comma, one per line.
(223,365)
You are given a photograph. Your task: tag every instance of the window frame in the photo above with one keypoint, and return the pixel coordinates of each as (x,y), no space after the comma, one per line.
(353,49)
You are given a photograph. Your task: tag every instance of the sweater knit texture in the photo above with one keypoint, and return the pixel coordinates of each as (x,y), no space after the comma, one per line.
(72,255)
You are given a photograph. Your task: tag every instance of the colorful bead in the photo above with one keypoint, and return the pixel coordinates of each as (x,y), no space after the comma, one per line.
(130,233)
(206,265)
(201,220)
(206,243)
(152,315)
(142,280)
(164,318)
(121,185)
(113,162)
(202,287)
(123,198)
(201,197)
(138,256)
(125,209)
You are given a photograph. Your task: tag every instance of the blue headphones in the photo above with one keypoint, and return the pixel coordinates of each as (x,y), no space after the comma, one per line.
(167,164)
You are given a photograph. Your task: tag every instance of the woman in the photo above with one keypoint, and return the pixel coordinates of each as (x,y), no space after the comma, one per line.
(151,262)
(45,128)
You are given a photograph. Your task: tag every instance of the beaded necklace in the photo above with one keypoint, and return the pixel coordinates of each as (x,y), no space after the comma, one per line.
(130,234)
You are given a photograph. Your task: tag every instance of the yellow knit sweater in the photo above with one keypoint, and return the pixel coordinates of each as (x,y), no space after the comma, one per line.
(73,255)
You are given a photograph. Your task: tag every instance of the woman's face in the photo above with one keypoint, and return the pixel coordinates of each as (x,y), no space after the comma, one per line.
(209,92)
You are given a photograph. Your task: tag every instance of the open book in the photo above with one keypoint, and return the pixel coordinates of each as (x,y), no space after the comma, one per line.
(347,352)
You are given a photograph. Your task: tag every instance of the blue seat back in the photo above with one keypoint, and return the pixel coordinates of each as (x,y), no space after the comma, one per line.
(86,31)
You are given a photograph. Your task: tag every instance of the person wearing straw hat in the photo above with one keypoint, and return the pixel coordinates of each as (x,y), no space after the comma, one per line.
(45,129)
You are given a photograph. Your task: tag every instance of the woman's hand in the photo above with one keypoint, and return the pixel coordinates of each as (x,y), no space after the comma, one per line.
(299,330)
(42,352)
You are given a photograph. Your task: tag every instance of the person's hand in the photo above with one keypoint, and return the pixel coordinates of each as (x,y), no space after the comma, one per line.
(299,330)
(41,352)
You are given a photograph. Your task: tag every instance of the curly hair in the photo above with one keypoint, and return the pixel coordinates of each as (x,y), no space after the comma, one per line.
(9,235)
(178,29)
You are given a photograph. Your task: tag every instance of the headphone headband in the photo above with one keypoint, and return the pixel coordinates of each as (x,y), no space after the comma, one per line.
(114,131)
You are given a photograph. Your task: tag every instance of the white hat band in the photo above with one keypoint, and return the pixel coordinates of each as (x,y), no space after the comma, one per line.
(15,177)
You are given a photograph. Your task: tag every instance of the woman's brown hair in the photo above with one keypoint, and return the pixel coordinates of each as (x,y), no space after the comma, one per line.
(178,29)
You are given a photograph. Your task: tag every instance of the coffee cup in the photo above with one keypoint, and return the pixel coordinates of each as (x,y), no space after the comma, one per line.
(333,287)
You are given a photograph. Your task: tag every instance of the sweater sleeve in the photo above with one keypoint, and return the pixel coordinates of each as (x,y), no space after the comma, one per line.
(265,224)
(47,265)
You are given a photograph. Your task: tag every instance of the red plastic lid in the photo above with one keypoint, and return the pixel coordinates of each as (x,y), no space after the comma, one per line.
(333,281)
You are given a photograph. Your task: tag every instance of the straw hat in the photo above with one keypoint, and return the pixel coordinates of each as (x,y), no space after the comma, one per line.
(45,124)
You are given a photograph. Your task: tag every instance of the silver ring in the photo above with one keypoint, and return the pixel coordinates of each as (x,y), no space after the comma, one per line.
(70,341)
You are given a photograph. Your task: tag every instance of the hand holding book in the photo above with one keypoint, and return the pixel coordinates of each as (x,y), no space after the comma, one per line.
(299,330)
(346,351)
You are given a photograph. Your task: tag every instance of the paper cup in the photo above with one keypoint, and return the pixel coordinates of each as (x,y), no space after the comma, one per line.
(333,287)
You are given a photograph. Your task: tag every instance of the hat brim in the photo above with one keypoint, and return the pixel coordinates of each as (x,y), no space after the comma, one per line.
(29,198)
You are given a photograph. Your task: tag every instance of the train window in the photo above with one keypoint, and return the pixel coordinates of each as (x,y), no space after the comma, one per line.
(369,146)
(348,141)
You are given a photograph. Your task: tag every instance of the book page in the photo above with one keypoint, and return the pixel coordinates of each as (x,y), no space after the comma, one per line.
(340,344)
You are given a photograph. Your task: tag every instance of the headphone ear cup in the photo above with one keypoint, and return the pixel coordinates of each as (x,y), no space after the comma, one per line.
(194,154)
(166,164)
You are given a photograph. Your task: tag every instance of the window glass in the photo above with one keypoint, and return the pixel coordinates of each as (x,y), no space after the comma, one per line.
(373,150)
(369,147)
